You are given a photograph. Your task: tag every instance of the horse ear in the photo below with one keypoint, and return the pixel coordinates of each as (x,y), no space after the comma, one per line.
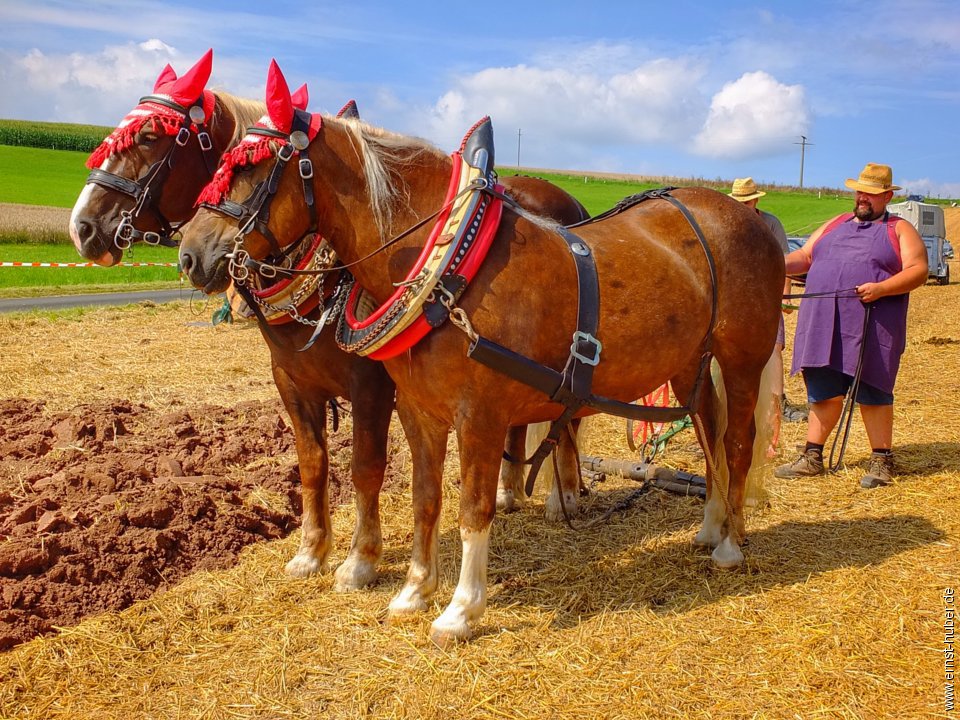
(349,111)
(279,103)
(190,85)
(300,98)
(167,75)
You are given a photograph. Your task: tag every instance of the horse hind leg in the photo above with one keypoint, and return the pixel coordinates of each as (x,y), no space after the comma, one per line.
(567,462)
(510,486)
(709,424)
(736,448)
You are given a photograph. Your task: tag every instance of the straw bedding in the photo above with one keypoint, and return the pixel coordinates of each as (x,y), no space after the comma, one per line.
(838,611)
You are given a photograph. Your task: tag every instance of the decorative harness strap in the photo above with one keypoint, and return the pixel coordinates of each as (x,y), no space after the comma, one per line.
(572,387)
(451,257)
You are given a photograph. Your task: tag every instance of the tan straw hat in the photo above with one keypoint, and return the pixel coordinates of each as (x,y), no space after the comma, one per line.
(874,180)
(745,189)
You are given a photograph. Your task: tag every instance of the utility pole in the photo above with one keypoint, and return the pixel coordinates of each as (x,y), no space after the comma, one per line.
(803,147)
(518,148)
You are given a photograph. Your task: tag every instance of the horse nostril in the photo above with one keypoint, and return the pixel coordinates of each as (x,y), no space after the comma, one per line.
(186,261)
(86,231)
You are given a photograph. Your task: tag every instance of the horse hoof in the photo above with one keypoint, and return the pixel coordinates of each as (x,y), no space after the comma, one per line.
(406,603)
(448,637)
(505,501)
(552,510)
(727,555)
(354,575)
(707,538)
(304,565)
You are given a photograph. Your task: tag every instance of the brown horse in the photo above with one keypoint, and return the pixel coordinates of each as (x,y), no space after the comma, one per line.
(106,219)
(664,305)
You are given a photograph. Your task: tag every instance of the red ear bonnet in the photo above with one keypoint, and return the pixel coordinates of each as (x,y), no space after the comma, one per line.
(184,91)
(187,88)
(167,75)
(300,98)
(279,103)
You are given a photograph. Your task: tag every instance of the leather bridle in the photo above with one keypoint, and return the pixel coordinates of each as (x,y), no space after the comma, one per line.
(254,212)
(146,190)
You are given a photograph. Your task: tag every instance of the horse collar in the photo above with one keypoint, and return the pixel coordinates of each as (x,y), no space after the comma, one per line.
(451,257)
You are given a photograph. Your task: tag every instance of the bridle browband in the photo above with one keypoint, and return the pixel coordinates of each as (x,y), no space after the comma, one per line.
(145,191)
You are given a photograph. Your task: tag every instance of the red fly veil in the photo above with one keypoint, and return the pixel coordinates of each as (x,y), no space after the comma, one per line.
(182,91)
(258,143)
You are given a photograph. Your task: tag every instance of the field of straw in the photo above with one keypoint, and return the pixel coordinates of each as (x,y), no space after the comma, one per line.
(839,611)
(35,221)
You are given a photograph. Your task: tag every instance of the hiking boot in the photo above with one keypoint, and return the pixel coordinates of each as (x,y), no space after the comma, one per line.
(792,413)
(880,472)
(809,463)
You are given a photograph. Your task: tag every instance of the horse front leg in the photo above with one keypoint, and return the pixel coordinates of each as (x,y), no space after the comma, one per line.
(510,486)
(309,419)
(478,441)
(371,394)
(427,438)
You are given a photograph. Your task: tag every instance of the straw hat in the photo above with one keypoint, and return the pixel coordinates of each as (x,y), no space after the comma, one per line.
(874,180)
(745,189)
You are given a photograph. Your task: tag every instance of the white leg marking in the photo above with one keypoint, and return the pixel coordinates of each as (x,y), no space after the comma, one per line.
(510,492)
(410,599)
(713,517)
(552,509)
(304,564)
(354,573)
(470,598)
(727,555)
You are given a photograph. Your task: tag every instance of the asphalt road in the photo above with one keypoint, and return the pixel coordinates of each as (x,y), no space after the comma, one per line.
(54,302)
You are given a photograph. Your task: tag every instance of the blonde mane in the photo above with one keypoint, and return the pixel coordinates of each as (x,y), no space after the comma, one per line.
(245,112)
(384,155)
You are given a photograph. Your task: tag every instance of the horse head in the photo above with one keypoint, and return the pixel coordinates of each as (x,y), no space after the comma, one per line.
(147,173)
(212,252)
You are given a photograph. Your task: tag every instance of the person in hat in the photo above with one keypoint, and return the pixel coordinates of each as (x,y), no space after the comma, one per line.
(867,257)
(745,191)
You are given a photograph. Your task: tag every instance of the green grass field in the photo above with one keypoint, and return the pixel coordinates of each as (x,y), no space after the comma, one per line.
(14,281)
(33,176)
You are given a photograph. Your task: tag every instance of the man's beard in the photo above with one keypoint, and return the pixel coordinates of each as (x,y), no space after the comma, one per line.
(865,212)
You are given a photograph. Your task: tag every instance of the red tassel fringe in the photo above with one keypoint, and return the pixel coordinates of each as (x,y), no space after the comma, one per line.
(246,153)
(122,138)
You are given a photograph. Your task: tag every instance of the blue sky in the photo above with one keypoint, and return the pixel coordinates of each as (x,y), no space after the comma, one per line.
(690,89)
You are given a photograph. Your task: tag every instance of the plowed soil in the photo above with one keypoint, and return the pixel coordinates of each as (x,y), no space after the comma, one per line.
(105,504)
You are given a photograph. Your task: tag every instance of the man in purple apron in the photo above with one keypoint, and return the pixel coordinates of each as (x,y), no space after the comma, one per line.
(867,257)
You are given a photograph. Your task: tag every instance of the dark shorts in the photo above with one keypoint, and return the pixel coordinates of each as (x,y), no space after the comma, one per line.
(825,383)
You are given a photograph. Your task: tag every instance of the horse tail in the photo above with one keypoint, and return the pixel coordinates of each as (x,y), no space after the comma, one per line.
(754,493)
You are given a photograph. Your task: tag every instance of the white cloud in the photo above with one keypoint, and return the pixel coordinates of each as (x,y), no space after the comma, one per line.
(567,113)
(754,116)
(90,88)
(930,188)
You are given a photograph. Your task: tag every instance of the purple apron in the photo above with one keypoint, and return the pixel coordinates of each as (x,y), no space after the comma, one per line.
(829,329)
